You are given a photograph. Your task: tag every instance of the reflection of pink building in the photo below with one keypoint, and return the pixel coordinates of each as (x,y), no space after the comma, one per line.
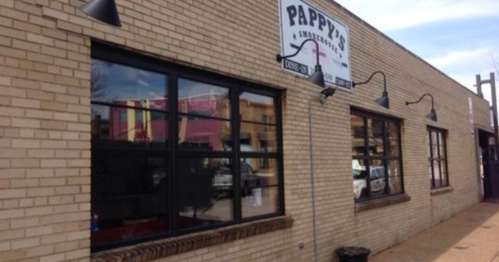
(146,126)
(138,125)
(130,123)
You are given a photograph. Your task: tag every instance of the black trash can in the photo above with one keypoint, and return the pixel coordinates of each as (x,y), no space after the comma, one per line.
(353,254)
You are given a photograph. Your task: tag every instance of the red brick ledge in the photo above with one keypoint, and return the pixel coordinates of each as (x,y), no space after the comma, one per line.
(168,247)
(439,191)
(382,202)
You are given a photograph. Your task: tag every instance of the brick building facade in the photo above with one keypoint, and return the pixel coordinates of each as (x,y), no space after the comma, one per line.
(48,137)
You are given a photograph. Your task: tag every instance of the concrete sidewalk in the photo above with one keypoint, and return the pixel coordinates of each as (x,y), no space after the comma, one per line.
(472,236)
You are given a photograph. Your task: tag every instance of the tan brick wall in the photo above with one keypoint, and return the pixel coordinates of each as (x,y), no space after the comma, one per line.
(45,124)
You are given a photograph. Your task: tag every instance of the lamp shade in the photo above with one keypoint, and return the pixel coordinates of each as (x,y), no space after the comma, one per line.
(383,100)
(432,115)
(317,77)
(102,10)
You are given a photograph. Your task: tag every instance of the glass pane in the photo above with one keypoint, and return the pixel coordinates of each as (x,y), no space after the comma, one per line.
(428,144)
(198,133)
(377,176)
(358,135)
(359,175)
(395,177)
(257,108)
(203,209)
(435,152)
(436,171)
(203,99)
(118,126)
(128,86)
(257,172)
(434,144)
(430,173)
(444,173)
(260,201)
(128,197)
(257,138)
(125,219)
(203,174)
(117,176)
(394,147)
(375,137)
(393,130)
(441,138)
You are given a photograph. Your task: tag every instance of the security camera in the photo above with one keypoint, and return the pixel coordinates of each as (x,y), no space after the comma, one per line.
(326,93)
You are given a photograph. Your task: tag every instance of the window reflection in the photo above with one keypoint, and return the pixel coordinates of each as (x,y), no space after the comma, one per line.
(260,201)
(258,138)
(377,178)
(358,135)
(128,197)
(127,175)
(393,147)
(359,175)
(128,125)
(122,85)
(378,173)
(395,177)
(206,134)
(437,158)
(132,195)
(203,209)
(129,218)
(256,172)
(203,99)
(375,137)
(204,174)
(257,108)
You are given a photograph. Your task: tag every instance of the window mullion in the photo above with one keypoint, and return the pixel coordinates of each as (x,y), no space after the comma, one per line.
(431,158)
(174,200)
(236,177)
(366,152)
(278,120)
(439,158)
(445,159)
(385,153)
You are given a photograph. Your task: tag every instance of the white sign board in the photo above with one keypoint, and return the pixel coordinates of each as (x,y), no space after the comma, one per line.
(301,21)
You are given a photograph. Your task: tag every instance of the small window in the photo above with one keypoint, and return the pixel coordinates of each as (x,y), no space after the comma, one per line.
(376,159)
(437,156)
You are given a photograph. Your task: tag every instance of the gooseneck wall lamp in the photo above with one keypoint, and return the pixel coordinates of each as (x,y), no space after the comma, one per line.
(432,115)
(383,101)
(318,76)
(102,10)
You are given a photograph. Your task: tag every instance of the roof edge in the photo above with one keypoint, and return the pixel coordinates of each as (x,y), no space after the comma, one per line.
(351,14)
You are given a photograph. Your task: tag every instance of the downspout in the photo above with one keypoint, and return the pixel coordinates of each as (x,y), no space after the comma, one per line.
(312,180)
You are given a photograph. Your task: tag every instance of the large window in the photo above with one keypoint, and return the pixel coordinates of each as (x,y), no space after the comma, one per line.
(376,156)
(437,157)
(174,153)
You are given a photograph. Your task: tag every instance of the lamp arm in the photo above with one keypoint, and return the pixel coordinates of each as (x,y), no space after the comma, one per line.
(280,57)
(370,78)
(421,98)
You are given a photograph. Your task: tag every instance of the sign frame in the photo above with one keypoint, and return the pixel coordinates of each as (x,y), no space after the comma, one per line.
(297,66)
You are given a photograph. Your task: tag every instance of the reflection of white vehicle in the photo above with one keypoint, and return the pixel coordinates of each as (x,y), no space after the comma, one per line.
(249,178)
(378,181)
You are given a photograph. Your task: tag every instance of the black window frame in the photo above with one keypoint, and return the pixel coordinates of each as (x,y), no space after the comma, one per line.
(439,158)
(385,158)
(172,153)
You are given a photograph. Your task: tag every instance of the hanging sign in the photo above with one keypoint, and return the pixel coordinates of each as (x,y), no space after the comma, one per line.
(301,21)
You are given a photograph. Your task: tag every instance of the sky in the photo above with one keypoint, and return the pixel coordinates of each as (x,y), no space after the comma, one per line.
(459,37)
